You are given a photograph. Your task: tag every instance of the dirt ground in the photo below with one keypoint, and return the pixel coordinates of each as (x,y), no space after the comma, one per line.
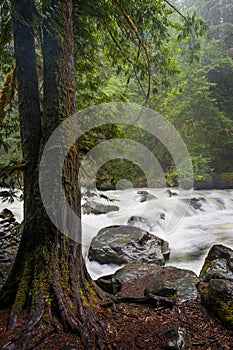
(140,326)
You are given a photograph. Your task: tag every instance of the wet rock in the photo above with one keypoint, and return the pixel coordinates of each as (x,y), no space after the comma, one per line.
(224,180)
(169,193)
(124,244)
(98,208)
(10,237)
(105,186)
(146,196)
(109,284)
(140,222)
(218,299)
(6,214)
(205,183)
(218,264)
(88,194)
(143,223)
(197,203)
(217,289)
(184,281)
(177,339)
(137,271)
(161,288)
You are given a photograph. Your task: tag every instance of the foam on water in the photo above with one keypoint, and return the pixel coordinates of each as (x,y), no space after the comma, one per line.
(194,232)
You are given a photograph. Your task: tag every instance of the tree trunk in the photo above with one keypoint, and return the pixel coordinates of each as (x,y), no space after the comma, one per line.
(49,280)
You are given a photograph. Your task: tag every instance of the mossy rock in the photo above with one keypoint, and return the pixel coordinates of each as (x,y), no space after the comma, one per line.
(218,264)
(206,182)
(98,208)
(218,299)
(224,180)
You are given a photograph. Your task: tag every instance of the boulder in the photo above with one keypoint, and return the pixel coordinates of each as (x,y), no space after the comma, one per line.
(206,182)
(218,264)
(224,180)
(125,244)
(183,281)
(217,289)
(98,208)
(218,299)
(161,288)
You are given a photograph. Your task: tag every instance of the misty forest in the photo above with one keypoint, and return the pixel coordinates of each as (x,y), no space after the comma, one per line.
(116,174)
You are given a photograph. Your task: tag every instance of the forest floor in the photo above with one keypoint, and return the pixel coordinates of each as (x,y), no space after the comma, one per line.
(140,326)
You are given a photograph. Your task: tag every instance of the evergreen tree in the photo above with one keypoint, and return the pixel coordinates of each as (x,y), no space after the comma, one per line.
(49,280)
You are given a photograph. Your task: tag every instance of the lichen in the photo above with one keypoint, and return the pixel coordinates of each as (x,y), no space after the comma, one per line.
(225,311)
(23,290)
(221,307)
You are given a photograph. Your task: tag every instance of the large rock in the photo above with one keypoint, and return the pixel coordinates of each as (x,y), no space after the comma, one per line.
(224,180)
(206,182)
(183,281)
(218,264)
(98,208)
(126,244)
(218,299)
(217,275)
(161,288)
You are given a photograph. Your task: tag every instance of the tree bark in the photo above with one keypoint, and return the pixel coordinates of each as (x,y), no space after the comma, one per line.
(49,281)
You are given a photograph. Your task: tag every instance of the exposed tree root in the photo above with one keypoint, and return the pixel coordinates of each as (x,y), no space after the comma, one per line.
(56,299)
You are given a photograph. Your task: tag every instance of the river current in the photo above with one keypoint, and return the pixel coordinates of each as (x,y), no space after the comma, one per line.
(191,228)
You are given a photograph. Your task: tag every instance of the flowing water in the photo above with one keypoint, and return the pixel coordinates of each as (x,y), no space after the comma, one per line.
(190,228)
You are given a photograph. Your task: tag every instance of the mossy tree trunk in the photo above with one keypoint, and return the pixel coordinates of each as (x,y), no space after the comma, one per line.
(49,282)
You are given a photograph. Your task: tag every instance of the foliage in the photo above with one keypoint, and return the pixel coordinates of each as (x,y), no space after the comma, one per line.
(124,51)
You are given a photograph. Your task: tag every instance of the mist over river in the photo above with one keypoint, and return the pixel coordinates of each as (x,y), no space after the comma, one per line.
(190,228)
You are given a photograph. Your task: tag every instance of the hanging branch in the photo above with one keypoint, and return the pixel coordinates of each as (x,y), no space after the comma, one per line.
(133,28)
(174,8)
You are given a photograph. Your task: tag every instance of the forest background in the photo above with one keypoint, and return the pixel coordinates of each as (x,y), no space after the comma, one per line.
(195,93)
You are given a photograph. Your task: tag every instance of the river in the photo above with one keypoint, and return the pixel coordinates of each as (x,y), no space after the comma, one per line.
(194,231)
(190,229)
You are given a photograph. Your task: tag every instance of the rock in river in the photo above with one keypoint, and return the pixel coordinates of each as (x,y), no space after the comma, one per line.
(98,208)
(125,244)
